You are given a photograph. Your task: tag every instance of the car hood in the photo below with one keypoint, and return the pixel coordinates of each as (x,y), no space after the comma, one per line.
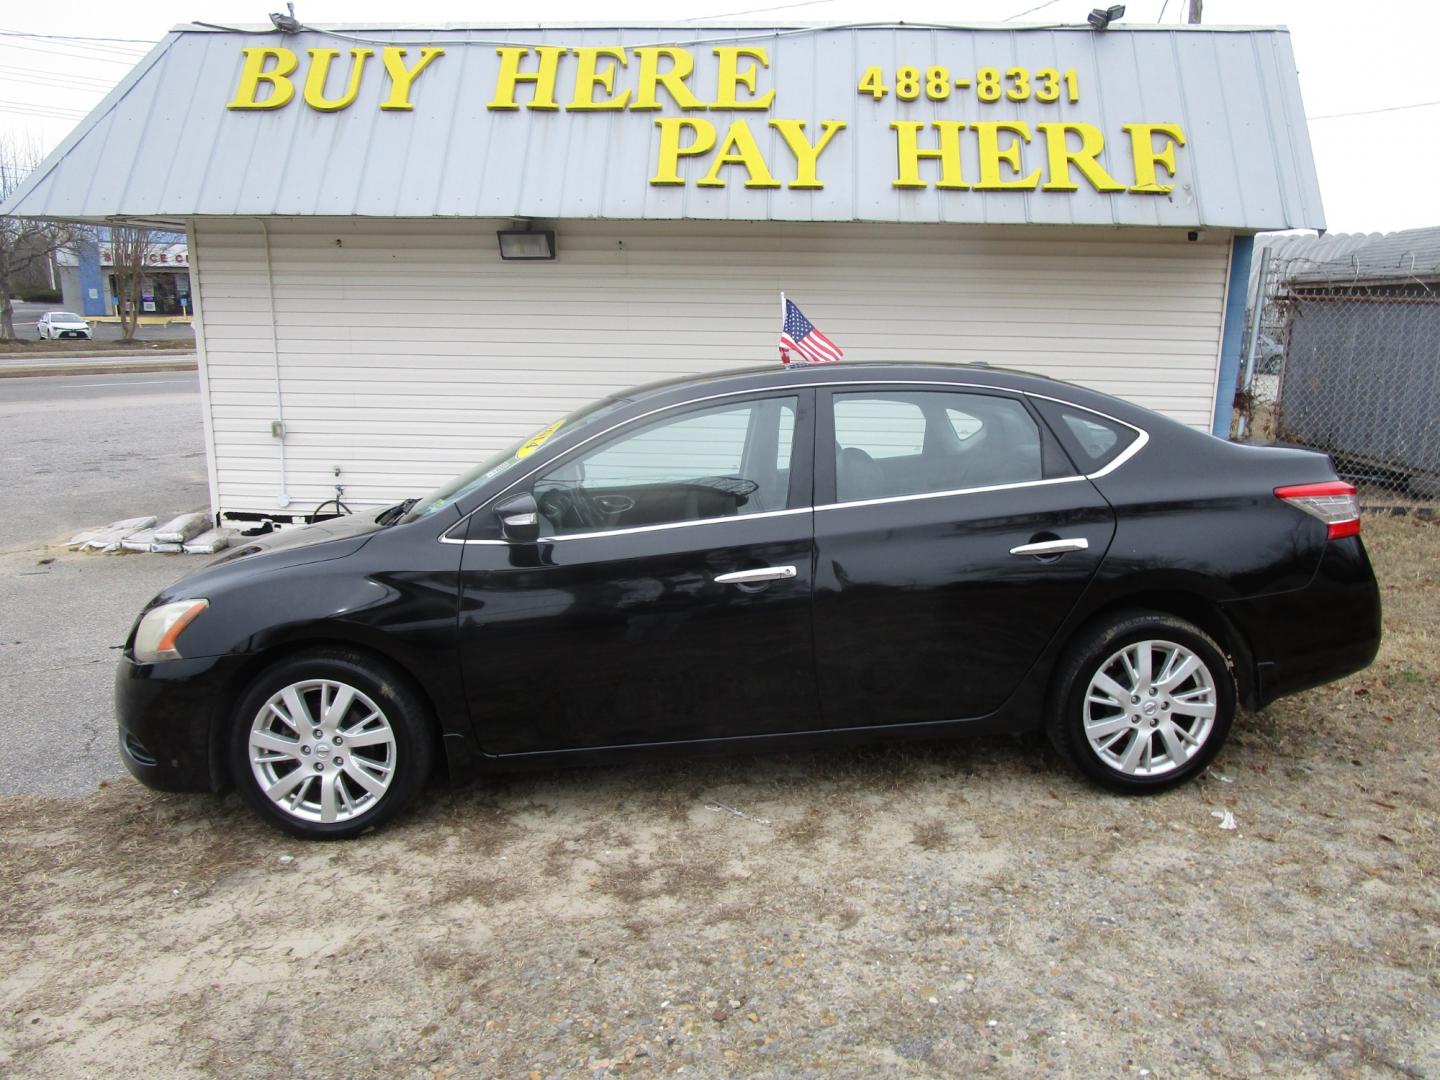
(304,543)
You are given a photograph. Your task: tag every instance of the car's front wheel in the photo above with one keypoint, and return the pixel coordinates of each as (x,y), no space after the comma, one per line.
(326,745)
(1144,701)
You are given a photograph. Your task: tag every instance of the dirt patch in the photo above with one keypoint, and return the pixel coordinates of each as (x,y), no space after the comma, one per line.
(29,347)
(957,909)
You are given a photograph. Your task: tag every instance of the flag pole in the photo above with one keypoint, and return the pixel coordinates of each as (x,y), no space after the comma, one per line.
(784,353)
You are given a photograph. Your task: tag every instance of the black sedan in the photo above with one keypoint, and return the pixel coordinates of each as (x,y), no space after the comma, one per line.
(762,560)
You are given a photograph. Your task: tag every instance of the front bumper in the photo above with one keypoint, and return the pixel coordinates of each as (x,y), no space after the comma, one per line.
(171,721)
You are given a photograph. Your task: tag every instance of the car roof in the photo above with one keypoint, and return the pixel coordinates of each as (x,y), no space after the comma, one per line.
(741,380)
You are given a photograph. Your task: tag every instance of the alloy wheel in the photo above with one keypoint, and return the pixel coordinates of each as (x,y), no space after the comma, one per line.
(1150,708)
(322,751)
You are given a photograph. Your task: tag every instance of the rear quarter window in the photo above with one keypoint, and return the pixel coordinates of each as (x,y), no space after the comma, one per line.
(1094,441)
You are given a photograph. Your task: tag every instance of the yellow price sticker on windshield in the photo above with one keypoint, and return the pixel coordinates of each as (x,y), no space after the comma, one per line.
(537,440)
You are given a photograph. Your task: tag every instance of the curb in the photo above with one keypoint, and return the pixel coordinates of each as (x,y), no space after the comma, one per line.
(137,367)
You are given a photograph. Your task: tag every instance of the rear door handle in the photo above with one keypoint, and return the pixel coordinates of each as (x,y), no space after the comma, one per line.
(750,577)
(1052,547)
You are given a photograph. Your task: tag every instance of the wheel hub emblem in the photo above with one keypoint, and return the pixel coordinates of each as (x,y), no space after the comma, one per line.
(323,750)
(1148,709)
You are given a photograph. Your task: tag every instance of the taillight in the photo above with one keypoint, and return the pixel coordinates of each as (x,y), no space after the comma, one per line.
(1333,502)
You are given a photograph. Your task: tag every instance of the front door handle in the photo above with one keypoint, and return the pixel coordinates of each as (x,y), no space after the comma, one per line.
(1052,547)
(750,577)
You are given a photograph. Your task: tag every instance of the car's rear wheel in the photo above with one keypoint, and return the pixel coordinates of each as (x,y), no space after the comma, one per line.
(1144,701)
(326,745)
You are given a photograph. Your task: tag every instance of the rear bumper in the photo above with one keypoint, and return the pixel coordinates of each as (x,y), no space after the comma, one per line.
(1314,635)
(170,718)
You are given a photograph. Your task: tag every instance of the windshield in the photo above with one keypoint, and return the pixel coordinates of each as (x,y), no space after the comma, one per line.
(64,316)
(453,491)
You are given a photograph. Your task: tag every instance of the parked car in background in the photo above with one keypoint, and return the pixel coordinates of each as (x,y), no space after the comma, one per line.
(62,324)
(760,560)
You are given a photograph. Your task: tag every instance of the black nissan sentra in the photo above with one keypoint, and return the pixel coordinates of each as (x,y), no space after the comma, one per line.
(761,560)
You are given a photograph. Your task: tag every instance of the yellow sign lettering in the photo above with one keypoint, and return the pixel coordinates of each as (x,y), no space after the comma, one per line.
(806,155)
(1142,149)
(1085,158)
(993,155)
(590,76)
(682,65)
(740,148)
(907,145)
(548,61)
(247,93)
(320,61)
(403,78)
(731,78)
(671,149)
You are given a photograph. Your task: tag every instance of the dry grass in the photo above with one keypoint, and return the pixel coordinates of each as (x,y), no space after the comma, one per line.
(956,909)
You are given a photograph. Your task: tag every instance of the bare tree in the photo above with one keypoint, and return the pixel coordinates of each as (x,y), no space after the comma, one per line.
(130,250)
(24,244)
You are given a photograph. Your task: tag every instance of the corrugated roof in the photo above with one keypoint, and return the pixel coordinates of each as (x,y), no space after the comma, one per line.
(1411,254)
(164,146)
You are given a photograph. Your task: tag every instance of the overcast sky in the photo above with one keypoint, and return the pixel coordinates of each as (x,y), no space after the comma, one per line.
(1377,170)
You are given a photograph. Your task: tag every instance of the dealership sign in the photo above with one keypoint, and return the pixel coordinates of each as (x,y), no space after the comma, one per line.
(1145,125)
(984,151)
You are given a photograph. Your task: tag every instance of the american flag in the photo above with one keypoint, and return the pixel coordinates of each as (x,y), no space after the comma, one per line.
(798,335)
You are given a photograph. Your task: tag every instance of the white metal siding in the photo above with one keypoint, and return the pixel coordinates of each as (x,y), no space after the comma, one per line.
(407,350)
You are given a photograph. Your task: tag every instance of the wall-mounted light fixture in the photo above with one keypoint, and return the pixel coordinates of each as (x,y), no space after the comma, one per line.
(286,24)
(1101,18)
(526,243)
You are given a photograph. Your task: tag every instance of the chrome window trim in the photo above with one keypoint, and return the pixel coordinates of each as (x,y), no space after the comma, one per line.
(1125,455)
(948,494)
(646,528)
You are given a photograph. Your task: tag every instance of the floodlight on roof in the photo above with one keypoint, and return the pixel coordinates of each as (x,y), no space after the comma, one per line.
(1101,18)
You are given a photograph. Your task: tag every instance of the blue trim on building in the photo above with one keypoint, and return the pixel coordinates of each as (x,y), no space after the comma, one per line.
(1232,334)
(92,283)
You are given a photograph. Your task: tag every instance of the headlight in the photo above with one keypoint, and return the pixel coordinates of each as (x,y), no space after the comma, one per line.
(159,627)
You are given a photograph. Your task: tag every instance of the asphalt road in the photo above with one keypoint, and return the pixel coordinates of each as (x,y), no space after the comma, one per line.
(26,316)
(78,451)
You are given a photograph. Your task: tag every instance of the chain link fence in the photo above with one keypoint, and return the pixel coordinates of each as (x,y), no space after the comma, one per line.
(1344,356)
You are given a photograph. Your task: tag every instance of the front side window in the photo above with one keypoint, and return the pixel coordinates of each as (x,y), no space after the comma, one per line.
(718,462)
(908,443)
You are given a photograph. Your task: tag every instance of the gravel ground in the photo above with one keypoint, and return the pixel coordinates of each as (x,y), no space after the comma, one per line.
(958,909)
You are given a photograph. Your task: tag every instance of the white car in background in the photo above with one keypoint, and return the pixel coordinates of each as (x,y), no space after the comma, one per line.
(62,324)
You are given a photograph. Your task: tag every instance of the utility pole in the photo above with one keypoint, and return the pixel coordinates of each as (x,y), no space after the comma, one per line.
(1195,6)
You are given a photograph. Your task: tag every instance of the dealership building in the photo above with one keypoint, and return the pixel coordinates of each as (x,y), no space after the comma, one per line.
(409,247)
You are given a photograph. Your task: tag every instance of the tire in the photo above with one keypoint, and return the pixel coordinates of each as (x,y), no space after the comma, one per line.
(321,789)
(1137,735)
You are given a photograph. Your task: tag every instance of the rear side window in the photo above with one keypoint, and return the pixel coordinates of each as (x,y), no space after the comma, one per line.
(905,442)
(1091,439)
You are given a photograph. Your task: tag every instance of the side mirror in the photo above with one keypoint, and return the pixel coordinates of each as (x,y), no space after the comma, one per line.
(519,519)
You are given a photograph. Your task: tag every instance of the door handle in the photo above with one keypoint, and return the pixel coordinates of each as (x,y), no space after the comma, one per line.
(750,577)
(1052,547)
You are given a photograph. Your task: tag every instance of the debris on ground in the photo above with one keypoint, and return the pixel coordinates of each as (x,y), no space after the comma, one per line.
(184,533)
(181,529)
(210,541)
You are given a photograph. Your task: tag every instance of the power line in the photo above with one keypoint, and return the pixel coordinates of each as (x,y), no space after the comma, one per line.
(1027,11)
(44,112)
(761,10)
(47,77)
(72,37)
(128,62)
(1372,112)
